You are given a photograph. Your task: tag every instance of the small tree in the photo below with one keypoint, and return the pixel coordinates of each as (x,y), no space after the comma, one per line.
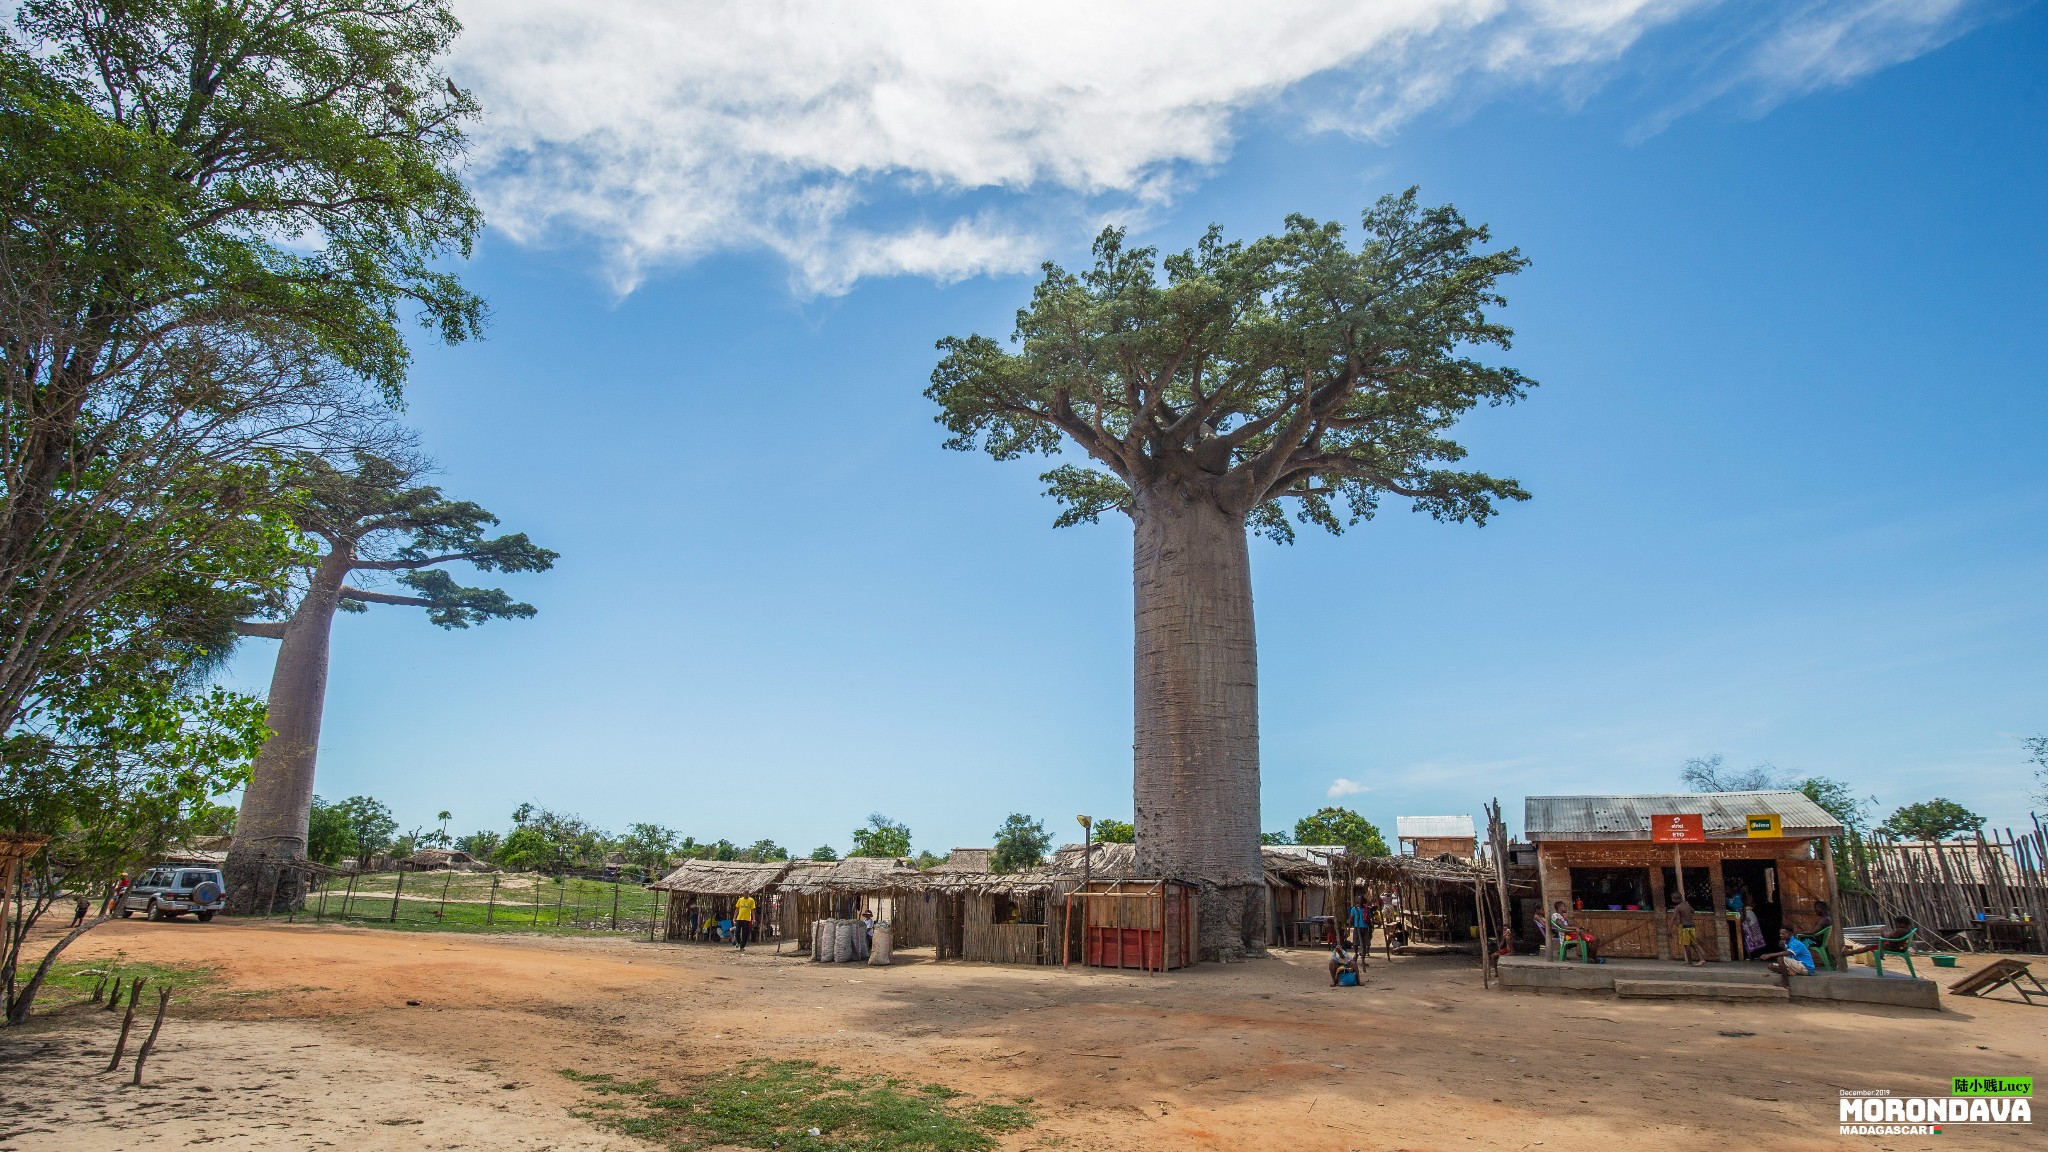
(1276,838)
(1020,843)
(1709,774)
(1340,826)
(375,518)
(483,845)
(882,837)
(369,824)
(1112,831)
(327,838)
(1936,819)
(649,846)
(763,851)
(825,852)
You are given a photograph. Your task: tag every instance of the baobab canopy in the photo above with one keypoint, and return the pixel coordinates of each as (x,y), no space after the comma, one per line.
(1234,387)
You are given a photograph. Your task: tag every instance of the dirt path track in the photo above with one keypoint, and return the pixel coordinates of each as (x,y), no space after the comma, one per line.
(1256,1056)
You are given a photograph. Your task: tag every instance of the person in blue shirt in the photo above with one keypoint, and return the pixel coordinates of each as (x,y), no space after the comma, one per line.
(1361,927)
(1793,958)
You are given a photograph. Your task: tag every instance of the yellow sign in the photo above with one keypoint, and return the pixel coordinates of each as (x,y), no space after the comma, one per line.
(1767,824)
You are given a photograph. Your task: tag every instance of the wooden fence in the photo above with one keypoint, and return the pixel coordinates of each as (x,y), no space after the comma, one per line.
(1980,894)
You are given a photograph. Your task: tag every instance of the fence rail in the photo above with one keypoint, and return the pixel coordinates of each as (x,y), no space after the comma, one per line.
(468,901)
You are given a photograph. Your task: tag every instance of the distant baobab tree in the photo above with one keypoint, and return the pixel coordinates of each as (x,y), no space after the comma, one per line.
(374,517)
(1215,391)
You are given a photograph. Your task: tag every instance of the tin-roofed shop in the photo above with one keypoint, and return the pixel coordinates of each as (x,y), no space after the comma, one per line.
(1618,861)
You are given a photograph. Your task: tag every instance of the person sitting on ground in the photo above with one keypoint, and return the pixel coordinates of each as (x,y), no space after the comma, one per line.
(1562,927)
(1793,957)
(1688,932)
(1342,960)
(1507,943)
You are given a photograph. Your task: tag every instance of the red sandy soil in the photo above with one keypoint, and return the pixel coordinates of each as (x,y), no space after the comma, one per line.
(313,1044)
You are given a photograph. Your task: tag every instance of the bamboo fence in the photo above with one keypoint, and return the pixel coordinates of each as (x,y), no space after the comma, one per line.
(1980,894)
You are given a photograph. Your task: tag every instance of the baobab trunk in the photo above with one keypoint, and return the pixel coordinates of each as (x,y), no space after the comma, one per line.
(270,832)
(1196,776)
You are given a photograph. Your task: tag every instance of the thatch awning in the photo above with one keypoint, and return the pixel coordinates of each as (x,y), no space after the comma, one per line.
(855,875)
(962,860)
(722,878)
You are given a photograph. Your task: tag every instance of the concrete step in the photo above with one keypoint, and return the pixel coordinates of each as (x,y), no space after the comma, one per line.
(1703,989)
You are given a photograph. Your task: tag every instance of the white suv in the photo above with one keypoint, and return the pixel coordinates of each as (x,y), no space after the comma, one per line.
(166,893)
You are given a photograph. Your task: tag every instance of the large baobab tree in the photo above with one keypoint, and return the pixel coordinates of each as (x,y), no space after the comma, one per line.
(1216,391)
(373,518)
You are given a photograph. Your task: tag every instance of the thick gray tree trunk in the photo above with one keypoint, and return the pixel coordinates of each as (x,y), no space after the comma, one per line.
(1196,775)
(270,832)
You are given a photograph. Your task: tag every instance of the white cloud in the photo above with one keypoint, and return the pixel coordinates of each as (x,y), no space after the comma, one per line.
(1342,787)
(949,139)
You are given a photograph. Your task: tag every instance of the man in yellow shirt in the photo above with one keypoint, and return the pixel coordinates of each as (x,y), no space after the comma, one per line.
(743,921)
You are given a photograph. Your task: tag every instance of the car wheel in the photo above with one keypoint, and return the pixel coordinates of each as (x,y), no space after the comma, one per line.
(155,913)
(127,912)
(205,917)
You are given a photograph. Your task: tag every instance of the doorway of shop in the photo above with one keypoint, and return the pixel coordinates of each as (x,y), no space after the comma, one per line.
(1756,883)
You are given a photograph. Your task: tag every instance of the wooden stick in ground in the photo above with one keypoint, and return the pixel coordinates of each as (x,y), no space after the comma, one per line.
(163,1001)
(127,1022)
(114,995)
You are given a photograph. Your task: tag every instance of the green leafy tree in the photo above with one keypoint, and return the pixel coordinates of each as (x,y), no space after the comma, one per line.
(825,852)
(327,834)
(1214,392)
(927,859)
(1020,843)
(881,837)
(369,823)
(215,213)
(1113,831)
(1936,819)
(763,852)
(114,764)
(483,845)
(543,840)
(1341,826)
(650,846)
(1276,837)
(374,518)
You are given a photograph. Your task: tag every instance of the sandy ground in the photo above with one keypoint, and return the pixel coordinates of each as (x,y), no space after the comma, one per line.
(315,1045)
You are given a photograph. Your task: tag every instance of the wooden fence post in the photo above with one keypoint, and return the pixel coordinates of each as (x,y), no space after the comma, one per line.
(441,913)
(163,1001)
(491,905)
(127,1021)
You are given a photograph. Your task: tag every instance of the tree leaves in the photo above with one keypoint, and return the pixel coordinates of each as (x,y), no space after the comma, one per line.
(1295,367)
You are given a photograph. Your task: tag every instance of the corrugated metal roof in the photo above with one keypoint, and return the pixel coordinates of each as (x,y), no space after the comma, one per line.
(1628,817)
(1433,827)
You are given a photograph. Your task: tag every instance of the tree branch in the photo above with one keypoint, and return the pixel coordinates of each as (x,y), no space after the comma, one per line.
(267,629)
(368,597)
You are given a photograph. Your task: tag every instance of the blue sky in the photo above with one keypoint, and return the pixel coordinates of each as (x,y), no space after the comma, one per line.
(1789,505)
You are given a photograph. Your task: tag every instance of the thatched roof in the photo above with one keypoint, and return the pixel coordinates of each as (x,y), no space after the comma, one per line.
(962,860)
(722,878)
(855,874)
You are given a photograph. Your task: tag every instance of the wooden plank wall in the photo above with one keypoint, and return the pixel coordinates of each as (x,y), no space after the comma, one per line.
(1801,877)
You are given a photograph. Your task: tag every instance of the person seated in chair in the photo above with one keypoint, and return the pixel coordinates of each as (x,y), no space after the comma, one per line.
(1562,928)
(1898,936)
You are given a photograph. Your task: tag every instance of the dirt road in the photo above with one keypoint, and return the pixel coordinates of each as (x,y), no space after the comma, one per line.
(317,1045)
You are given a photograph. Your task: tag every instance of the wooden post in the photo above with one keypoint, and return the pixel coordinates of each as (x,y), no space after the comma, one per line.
(1717,889)
(615,909)
(348,895)
(1479,908)
(441,913)
(397,890)
(491,905)
(1666,946)
(127,1021)
(1837,957)
(561,890)
(163,1001)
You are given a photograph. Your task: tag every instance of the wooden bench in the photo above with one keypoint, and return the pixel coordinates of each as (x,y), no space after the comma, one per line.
(1999,974)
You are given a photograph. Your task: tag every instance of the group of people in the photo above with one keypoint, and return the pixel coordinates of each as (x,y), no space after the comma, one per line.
(1794,955)
(1349,945)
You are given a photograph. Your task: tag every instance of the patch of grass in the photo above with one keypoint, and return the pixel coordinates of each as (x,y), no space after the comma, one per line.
(72,980)
(804,1107)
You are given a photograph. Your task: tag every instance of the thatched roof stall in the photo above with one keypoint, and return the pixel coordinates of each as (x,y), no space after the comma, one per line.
(1432,901)
(1300,883)
(1117,911)
(702,892)
(889,886)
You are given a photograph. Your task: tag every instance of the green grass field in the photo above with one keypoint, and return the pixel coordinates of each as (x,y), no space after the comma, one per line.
(486,902)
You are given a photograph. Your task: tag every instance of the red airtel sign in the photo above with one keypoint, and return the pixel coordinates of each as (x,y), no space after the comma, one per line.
(1678,828)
